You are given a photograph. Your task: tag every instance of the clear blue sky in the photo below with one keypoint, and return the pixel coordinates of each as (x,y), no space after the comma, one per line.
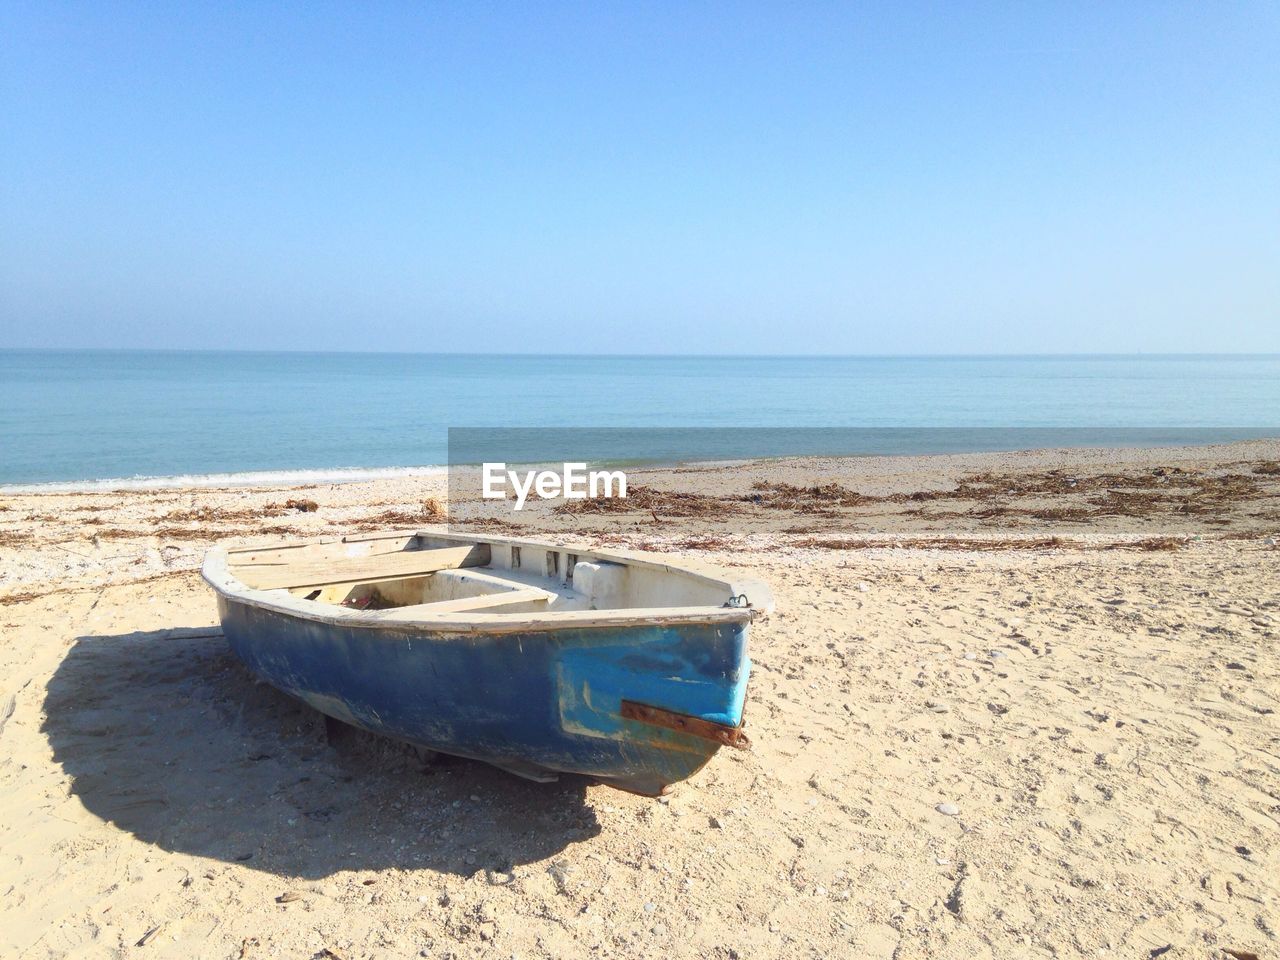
(683,177)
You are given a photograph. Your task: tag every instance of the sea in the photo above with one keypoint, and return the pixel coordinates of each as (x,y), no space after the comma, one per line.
(89,419)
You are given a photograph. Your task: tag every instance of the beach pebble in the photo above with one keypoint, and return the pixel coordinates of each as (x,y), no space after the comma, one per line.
(948,809)
(937,707)
(971,656)
(650,907)
(863,588)
(997,654)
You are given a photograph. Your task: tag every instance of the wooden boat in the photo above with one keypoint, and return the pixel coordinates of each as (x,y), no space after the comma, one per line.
(535,658)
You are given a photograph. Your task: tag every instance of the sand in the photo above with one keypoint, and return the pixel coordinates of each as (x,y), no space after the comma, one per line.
(1079,667)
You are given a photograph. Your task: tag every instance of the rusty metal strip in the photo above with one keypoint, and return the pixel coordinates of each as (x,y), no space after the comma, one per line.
(694,726)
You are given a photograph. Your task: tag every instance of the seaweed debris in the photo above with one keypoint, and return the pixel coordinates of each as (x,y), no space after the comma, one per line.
(708,542)
(1160,491)
(220,515)
(186,533)
(484,523)
(646,499)
(819,498)
(430,511)
(1149,544)
(938,543)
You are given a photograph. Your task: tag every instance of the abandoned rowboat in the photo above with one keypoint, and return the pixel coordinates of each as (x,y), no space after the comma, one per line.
(535,658)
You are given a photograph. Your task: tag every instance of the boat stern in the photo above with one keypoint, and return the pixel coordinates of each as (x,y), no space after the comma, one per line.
(658,702)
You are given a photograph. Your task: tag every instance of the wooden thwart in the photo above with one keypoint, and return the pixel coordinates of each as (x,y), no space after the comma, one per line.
(486,601)
(300,556)
(307,546)
(338,571)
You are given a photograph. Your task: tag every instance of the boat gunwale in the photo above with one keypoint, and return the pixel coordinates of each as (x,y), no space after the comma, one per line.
(216,571)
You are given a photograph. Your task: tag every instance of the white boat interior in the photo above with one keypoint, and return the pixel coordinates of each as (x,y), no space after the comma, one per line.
(415,574)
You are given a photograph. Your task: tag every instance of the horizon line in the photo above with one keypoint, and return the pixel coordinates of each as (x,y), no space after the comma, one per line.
(1151,355)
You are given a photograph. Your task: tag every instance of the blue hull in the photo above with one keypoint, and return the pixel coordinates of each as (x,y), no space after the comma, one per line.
(535,703)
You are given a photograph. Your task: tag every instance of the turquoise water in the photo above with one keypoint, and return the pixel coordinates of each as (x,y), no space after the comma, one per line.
(92,415)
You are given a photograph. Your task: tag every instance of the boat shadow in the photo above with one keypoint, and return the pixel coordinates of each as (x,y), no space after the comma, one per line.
(165,735)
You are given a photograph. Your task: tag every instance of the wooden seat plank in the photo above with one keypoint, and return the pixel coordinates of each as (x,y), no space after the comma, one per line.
(315,553)
(331,571)
(485,601)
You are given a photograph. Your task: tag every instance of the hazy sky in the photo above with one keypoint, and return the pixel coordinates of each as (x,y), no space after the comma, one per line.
(800,177)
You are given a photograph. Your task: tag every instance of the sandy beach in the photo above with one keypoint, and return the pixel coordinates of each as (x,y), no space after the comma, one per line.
(1010,705)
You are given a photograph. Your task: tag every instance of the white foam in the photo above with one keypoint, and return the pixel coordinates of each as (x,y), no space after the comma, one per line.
(261,478)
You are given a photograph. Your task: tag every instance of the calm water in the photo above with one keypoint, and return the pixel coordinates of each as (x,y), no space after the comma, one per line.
(86,415)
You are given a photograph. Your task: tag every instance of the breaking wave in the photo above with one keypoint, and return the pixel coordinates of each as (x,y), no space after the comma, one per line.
(258,478)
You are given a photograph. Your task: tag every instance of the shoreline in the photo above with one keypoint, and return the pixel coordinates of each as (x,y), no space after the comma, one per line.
(222,481)
(310,476)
